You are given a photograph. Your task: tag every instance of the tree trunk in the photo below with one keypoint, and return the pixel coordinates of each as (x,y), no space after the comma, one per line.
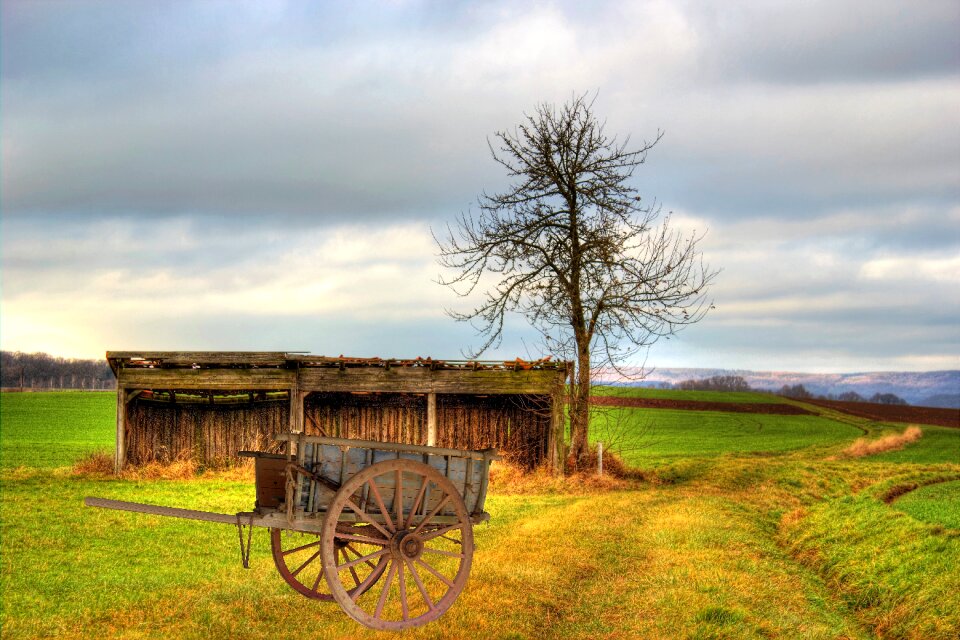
(580,410)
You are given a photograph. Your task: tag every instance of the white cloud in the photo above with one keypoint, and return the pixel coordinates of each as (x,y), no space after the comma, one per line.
(349,272)
(915,268)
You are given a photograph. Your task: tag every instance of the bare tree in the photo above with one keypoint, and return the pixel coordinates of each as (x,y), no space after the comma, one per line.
(570,246)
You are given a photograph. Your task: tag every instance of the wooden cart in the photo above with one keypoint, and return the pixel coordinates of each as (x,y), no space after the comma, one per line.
(385,530)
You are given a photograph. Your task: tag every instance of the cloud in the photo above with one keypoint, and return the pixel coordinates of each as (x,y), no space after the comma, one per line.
(815,42)
(322,271)
(209,171)
(944,269)
(324,281)
(147,111)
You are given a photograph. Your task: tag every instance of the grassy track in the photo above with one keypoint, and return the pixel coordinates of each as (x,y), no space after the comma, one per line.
(896,573)
(749,530)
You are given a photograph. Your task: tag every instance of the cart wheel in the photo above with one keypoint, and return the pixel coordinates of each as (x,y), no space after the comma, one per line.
(425,535)
(297,556)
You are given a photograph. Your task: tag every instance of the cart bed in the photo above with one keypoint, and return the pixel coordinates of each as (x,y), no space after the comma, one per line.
(336,460)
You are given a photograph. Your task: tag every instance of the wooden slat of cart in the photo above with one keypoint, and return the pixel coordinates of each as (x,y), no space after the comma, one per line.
(485,454)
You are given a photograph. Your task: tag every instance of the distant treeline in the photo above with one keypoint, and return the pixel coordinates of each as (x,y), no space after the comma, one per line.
(797,391)
(716,383)
(35,371)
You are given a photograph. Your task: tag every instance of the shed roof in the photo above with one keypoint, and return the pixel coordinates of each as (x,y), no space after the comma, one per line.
(278,370)
(297,359)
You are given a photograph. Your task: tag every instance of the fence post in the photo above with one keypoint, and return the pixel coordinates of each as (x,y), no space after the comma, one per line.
(600,458)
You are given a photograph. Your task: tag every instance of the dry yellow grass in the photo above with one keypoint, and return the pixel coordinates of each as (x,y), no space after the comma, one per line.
(100,463)
(95,463)
(510,479)
(864,447)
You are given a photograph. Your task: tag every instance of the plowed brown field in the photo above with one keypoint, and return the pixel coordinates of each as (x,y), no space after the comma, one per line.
(895,413)
(700,405)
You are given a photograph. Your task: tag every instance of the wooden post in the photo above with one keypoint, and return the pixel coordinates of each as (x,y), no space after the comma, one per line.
(431,419)
(294,411)
(120,455)
(301,410)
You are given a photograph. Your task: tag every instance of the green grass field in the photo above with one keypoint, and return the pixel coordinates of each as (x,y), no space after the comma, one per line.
(750,526)
(937,504)
(649,436)
(48,430)
(673,394)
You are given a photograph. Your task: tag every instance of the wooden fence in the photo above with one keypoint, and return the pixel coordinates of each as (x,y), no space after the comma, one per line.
(211,434)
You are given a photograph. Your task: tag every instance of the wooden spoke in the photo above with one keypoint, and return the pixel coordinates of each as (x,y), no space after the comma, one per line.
(304,565)
(315,543)
(353,569)
(363,516)
(419,582)
(301,564)
(367,558)
(358,554)
(439,532)
(364,539)
(405,611)
(386,590)
(287,560)
(417,501)
(439,576)
(404,550)
(379,500)
(436,510)
(316,583)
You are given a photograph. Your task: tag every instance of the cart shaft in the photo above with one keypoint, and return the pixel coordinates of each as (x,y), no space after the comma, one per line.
(270,519)
(171,512)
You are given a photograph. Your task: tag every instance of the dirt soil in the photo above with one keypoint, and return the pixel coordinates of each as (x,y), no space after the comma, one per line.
(895,413)
(700,405)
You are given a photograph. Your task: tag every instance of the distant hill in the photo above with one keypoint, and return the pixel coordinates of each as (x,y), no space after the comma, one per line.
(942,388)
(942,400)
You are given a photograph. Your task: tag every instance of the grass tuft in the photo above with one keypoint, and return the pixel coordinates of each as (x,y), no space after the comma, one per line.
(99,464)
(510,479)
(864,447)
(718,616)
(95,463)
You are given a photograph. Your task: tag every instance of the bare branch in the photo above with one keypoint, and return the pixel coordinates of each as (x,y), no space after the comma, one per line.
(573,248)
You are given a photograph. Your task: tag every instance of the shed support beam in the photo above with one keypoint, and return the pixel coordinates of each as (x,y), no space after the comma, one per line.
(120,453)
(296,411)
(431,419)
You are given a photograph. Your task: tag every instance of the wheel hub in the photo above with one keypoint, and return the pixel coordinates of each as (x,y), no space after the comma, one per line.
(406,545)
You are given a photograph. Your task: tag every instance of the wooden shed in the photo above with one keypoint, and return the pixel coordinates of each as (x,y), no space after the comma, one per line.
(207,406)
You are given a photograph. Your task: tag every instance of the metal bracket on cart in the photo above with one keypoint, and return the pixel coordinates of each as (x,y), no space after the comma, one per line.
(245,549)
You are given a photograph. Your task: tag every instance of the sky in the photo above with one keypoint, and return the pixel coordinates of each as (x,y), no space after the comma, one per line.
(265,175)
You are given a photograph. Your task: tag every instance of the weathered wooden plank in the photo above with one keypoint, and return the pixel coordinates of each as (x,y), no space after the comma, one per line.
(431,419)
(262,358)
(489,454)
(215,379)
(423,380)
(172,512)
(120,453)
